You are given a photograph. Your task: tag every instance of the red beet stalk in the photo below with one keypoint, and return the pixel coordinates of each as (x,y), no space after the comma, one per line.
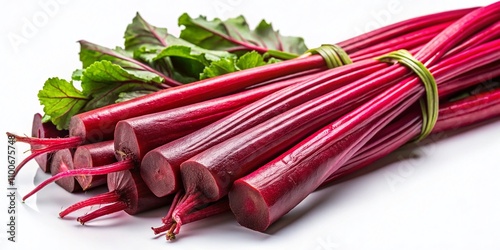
(252,193)
(160,166)
(353,140)
(62,161)
(92,156)
(315,149)
(409,41)
(99,125)
(208,175)
(288,180)
(486,35)
(465,27)
(257,201)
(469,79)
(386,33)
(451,116)
(271,197)
(138,135)
(135,137)
(190,202)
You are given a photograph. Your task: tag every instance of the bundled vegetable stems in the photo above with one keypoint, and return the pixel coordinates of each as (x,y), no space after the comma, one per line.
(266,124)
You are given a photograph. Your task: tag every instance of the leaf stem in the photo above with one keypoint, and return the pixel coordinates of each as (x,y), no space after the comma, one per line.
(114,167)
(106,198)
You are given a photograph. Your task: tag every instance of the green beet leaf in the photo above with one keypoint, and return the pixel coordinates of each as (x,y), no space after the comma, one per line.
(217,68)
(91,53)
(228,65)
(104,81)
(61,100)
(185,61)
(234,35)
(181,60)
(145,41)
(125,96)
(250,60)
(140,33)
(77,75)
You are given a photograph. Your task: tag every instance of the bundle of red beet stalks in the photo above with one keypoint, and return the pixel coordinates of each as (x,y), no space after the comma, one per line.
(258,141)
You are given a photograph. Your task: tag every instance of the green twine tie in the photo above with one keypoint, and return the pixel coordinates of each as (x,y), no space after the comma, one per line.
(429,105)
(333,55)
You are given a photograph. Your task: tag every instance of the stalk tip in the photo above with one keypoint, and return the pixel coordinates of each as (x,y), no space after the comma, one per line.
(81,221)
(170,233)
(160,229)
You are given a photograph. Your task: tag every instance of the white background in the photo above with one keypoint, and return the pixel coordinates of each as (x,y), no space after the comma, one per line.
(447,197)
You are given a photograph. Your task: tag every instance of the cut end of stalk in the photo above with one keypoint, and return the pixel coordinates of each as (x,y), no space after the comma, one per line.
(83,159)
(126,141)
(61,169)
(91,156)
(249,206)
(42,129)
(197,177)
(158,174)
(77,127)
(80,221)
